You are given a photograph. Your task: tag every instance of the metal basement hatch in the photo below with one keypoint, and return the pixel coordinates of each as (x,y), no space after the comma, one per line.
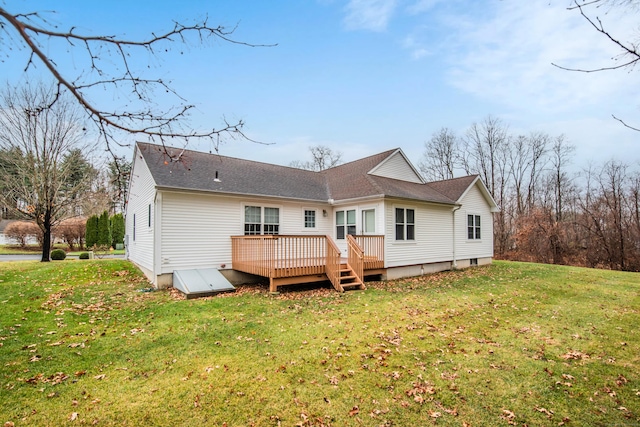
(201,282)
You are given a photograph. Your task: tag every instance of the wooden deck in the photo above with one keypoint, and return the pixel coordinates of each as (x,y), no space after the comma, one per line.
(289,259)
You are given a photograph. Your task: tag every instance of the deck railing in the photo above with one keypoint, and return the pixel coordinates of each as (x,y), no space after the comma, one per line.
(279,256)
(283,256)
(355,257)
(373,248)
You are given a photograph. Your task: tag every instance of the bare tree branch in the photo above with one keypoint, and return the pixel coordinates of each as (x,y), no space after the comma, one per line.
(632,50)
(625,124)
(31,29)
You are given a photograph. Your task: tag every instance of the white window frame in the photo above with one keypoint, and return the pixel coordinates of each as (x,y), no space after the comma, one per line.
(262,224)
(477,227)
(347,226)
(304,219)
(405,224)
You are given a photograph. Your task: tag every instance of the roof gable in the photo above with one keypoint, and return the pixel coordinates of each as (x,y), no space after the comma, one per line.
(397,166)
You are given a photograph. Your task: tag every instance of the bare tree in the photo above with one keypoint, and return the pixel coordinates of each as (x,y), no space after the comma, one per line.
(119,170)
(561,154)
(486,150)
(322,157)
(35,136)
(440,156)
(105,64)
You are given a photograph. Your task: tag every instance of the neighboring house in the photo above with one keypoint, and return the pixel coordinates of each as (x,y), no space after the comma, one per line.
(371,216)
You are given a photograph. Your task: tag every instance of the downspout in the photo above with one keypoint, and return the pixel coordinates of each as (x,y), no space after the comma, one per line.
(157,236)
(454,263)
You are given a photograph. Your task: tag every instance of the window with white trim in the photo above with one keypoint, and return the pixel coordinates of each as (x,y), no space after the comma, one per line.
(259,220)
(405,224)
(345,223)
(309,219)
(271,220)
(473,227)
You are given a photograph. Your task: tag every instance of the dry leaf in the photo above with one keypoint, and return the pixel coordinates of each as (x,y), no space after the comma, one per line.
(73,416)
(100,377)
(354,411)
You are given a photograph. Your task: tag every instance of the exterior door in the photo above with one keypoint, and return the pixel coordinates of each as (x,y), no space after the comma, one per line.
(369,221)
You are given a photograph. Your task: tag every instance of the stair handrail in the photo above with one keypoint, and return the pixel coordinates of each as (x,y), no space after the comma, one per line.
(332,264)
(355,257)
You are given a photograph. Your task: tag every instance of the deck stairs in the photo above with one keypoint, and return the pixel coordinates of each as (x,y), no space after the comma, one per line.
(348,278)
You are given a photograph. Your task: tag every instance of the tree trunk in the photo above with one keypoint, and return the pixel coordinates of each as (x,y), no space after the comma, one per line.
(46,232)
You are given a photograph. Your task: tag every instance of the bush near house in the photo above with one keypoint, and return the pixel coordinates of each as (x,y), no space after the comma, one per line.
(84,255)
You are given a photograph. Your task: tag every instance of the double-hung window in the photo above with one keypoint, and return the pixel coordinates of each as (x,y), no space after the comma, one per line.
(405,224)
(271,221)
(473,227)
(259,220)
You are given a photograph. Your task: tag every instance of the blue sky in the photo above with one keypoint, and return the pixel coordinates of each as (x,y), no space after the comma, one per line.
(365,76)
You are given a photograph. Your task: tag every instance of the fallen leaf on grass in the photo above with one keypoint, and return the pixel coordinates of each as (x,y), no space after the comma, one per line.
(73,416)
(548,413)
(354,411)
(574,355)
(434,414)
(100,377)
(509,416)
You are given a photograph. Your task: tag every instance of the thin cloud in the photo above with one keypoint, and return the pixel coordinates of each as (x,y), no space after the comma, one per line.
(372,15)
(509,55)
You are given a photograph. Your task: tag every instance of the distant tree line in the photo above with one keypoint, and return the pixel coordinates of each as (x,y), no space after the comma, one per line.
(548,212)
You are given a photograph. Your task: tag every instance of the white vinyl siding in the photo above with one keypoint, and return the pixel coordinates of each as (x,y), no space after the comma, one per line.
(197,228)
(396,167)
(141,196)
(474,204)
(433,241)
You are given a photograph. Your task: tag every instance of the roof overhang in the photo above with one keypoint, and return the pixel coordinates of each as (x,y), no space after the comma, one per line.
(233,194)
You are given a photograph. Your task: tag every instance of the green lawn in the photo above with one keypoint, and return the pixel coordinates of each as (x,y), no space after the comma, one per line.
(510,344)
(35,250)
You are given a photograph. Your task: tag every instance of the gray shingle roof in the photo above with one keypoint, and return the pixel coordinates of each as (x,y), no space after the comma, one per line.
(453,188)
(197,171)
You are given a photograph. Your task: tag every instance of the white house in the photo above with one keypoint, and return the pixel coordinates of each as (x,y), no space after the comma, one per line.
(371,216)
